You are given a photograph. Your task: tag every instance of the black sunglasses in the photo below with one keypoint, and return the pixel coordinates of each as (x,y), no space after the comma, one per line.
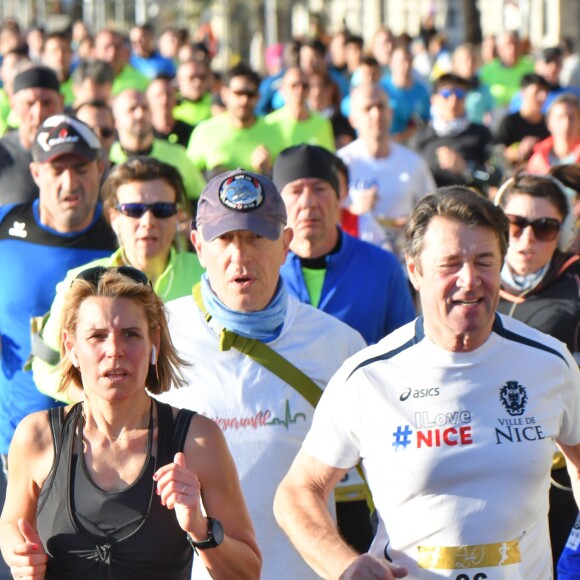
(545,229)
(245,93)
(94,274)
(106,132)
(160,209)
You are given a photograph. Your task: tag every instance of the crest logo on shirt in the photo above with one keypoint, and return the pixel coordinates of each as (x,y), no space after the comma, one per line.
(514,398)
(18,230)
(241,193)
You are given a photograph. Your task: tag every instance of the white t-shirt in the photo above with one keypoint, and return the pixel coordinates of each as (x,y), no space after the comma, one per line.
(263,418)
(457,447)
(402,178)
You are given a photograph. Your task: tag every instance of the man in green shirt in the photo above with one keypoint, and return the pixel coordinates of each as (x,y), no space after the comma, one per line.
(236,138)
(193,83)
(504,74)
(92,80)
(57,54)
(136,138)
(113,48)
(294,121)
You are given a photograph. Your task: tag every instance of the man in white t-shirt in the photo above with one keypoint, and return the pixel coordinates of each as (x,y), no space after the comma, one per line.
(242,240)
(385,178)
(455,417)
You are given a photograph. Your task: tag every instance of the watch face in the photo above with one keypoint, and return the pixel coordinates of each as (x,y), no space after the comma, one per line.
(217,531)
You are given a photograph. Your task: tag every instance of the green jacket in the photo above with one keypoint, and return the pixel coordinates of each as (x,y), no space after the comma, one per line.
(182,272)
(129,78)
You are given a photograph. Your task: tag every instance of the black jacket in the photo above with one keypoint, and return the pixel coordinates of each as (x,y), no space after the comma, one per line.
(474,144)
(553,306)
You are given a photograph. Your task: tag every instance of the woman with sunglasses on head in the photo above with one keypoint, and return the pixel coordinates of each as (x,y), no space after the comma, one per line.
(143,199)
(541,287)
(112,487)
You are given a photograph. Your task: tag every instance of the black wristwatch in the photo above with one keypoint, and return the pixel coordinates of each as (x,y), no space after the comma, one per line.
(215,536)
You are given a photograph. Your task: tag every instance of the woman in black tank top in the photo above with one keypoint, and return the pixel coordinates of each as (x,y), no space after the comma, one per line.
(111,488)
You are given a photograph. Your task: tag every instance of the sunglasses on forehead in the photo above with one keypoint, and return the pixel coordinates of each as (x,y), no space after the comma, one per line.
(160,209)
(94,275)
(545,229)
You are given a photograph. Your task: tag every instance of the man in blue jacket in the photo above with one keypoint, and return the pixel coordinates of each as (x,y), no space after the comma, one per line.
(357,282)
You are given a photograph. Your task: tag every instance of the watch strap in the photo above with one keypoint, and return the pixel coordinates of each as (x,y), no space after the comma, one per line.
(211,541)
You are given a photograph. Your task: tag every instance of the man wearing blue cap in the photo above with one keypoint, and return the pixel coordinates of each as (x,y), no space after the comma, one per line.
(247,340)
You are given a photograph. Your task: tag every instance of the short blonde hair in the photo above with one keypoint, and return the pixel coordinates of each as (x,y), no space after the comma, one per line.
(111,283)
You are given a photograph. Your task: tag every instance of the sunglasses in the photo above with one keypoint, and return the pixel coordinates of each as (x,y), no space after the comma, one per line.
(160,209)
(245,93)
(299,85)
(545,229)
(459,93)
(106,133)
(94,275)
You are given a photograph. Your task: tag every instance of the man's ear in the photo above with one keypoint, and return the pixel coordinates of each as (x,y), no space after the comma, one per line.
(224,94)
(34,171)
(198,243)
(287,236)
(414,271)
(101,166)
(352,118)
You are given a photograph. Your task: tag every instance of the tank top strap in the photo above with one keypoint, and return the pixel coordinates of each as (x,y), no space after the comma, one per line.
(60,428)
(172,432)
(181,427)
(56,417)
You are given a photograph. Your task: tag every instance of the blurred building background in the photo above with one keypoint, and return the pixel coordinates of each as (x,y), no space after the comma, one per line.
(244,27)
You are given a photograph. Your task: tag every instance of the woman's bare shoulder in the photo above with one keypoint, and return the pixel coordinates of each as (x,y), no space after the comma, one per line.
(34,432)
(32,445)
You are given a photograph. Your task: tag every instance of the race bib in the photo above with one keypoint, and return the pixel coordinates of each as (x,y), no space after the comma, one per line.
(499,561)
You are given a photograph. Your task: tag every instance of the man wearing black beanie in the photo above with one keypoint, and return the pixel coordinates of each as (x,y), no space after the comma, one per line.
(355,281)
(35,97)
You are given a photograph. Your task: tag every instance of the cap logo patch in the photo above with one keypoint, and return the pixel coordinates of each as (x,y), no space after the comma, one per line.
(63,137)
(241,193)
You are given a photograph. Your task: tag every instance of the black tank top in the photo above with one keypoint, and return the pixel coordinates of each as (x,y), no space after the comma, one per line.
(134,536)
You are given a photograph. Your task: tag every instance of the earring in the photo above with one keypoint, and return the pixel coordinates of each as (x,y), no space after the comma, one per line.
(73,358)
(153,355)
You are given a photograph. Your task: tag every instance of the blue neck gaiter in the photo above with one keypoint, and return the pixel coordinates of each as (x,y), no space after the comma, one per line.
(265,325)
